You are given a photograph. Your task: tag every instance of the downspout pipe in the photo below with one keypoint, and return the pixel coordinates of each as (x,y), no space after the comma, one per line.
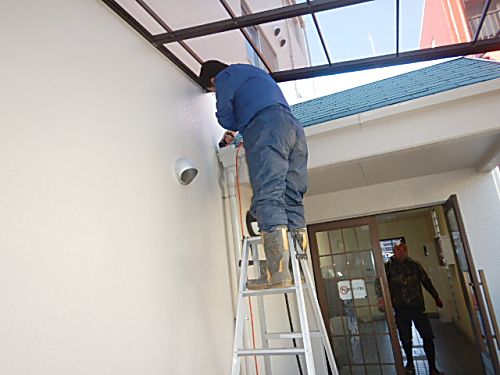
(227,157)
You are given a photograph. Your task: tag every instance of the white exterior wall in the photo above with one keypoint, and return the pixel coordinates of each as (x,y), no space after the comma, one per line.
(108,265)
(478,196)
(424,121)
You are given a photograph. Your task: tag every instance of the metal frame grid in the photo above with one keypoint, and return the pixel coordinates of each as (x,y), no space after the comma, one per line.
(310,7)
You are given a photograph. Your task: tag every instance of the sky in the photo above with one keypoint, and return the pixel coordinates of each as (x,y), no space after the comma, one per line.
(365,30)
(355,32)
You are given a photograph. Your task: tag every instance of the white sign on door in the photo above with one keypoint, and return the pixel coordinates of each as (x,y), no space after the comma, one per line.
(344,289)
(359,288)
(355,288)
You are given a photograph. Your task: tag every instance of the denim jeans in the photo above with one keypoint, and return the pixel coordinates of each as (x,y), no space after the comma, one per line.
(276,154)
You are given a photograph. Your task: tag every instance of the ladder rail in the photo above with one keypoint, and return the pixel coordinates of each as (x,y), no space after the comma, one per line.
(319,318)
(262,313)
(298,263)
(238,332)
(301,304)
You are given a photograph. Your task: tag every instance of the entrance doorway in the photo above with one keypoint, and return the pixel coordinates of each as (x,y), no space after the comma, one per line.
(348,267)
(348,260)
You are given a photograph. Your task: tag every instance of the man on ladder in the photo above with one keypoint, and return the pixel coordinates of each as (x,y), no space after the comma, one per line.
(250,102)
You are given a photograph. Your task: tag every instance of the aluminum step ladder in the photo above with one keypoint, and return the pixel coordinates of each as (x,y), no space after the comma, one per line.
(299,261)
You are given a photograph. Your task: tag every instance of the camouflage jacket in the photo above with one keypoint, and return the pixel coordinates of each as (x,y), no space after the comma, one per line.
(404,280)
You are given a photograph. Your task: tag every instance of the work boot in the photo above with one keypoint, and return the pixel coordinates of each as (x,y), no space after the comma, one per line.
(263,281)
(278,256)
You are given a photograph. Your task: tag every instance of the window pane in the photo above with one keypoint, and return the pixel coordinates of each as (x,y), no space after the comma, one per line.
(385,349)
(356,350)
(364,238)
(373,370)
(338,326)
(380,324)
(327,269)
(341,266)
(340,350)
(335,305)
(361,264)
(491,25)
(336,241)
(322,239)
(370,351)
(358,370)
(350,239)
(457,240)
(371,290)
(389,370)
(365,325)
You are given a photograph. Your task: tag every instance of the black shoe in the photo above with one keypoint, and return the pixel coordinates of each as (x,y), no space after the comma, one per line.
(410,369)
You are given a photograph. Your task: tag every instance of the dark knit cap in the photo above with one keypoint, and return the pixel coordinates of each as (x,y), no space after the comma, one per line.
(209,69)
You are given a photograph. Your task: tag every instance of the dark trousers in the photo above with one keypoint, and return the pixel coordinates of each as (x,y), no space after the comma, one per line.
(276,154)
(404,317)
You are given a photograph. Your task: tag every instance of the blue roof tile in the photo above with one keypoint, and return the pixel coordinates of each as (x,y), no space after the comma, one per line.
(419,83)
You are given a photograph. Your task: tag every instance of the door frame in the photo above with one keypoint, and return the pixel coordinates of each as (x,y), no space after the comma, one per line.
(471,279)
(379,265)
(466,281)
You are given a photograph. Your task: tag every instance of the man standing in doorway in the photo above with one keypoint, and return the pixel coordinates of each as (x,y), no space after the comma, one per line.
(250,102)
(405,277)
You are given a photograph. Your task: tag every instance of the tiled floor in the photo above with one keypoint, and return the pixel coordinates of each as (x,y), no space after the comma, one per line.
(455,355)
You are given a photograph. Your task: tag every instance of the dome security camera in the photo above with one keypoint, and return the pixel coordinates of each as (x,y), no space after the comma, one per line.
(185,171)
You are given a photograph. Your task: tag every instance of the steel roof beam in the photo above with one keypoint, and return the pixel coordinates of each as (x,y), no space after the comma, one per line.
(246,35)
(254,19)
(462,49)
(117,8)
(162,23)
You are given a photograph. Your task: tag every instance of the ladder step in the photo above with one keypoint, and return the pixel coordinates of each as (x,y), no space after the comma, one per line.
(290,335)
(263,292)
(263,352)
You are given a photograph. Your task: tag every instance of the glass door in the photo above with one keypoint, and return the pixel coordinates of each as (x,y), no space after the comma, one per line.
(471,286)
(348,269)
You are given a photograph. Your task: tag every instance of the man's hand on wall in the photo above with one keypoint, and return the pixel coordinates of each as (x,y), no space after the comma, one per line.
(227,138)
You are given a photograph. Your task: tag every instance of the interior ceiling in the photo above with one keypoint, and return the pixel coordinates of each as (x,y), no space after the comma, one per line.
(188,32)
(437,158)
(403,215)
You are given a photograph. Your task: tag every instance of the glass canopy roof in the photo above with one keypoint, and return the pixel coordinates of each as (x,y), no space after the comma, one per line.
(297,39)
